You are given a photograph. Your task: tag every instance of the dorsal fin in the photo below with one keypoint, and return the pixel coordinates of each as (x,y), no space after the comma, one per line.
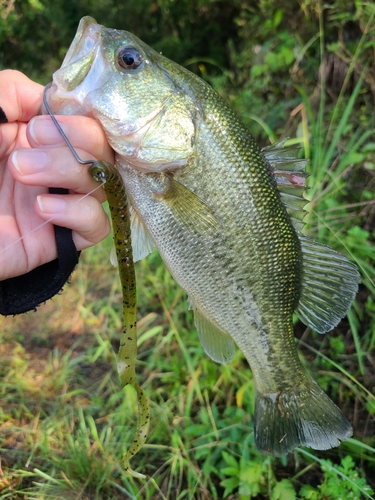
(329,284)
(290,176)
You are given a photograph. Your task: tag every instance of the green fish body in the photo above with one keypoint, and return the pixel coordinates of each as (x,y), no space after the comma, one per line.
(226,219)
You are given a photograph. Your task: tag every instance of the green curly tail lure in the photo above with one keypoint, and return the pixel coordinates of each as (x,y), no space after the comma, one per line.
(114,188)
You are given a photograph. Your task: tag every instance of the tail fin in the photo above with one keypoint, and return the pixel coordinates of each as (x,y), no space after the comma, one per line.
(306,417)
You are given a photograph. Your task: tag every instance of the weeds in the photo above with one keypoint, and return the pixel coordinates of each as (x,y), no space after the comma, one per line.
(66,440)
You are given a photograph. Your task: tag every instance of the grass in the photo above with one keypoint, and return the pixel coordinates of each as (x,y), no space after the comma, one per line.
(65,421)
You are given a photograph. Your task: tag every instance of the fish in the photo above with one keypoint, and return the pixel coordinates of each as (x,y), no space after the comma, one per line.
(226,218)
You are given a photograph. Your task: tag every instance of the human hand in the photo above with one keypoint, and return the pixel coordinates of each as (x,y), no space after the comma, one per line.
(34,157)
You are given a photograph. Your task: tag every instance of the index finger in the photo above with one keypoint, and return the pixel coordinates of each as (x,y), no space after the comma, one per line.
(20,97)
(83,133)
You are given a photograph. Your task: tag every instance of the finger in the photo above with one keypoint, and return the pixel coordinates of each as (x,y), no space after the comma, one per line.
(12,135)
(83,133)
(85,216)
(20,97)
(53,167)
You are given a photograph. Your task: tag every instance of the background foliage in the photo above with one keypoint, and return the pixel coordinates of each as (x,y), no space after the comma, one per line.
(302,69)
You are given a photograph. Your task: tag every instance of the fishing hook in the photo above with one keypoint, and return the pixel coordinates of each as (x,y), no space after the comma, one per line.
(74,153)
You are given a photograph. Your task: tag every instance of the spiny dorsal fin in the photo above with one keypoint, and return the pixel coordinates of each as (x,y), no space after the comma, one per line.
(329,279)
(290,176)
(329,284)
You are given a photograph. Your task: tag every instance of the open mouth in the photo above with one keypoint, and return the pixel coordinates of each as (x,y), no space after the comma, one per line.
(80,56)
(81,70)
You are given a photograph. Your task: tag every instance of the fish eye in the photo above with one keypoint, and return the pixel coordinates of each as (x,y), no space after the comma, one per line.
(129,58)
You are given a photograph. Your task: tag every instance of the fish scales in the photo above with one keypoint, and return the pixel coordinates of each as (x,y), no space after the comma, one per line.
(226,219)
(267,272)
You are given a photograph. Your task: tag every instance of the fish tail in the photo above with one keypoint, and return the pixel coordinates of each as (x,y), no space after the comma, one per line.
(307,417)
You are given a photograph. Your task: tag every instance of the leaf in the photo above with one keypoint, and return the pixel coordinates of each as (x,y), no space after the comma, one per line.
(347,463)
(359,234)
(230,460)
(230,471)
(251,479)
(278,17)
(309,492)
(230,484)
(284,490)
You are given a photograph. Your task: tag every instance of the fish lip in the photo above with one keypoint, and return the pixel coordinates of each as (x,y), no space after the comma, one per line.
(70,81)
(85,31)
(79,59)
(81,74)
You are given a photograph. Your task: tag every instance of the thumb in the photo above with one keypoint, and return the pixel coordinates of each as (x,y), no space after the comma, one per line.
(20,97)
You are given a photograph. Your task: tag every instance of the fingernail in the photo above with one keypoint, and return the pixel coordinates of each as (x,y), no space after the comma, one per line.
(50,204)
(44,131)
(29,161)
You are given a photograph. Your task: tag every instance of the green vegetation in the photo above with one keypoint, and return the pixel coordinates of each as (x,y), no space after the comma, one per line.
(302,71)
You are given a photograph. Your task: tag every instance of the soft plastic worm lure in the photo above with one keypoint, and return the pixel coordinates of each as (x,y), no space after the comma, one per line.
(113,185)
(118,204)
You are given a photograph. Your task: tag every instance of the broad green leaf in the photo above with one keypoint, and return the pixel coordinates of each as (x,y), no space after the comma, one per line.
(283,490)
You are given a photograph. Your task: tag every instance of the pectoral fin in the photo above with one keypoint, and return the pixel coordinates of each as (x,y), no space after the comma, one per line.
(185,205)
(141,241)
(329,284)
(217,343)
(113,256)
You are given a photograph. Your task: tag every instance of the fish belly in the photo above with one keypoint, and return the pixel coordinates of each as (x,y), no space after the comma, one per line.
(221,273)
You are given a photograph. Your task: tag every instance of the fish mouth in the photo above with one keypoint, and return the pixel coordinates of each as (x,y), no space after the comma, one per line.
(83,42)
(78,75)
(90,84)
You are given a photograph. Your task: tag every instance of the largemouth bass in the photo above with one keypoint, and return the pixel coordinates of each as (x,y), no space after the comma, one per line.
(225,217)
